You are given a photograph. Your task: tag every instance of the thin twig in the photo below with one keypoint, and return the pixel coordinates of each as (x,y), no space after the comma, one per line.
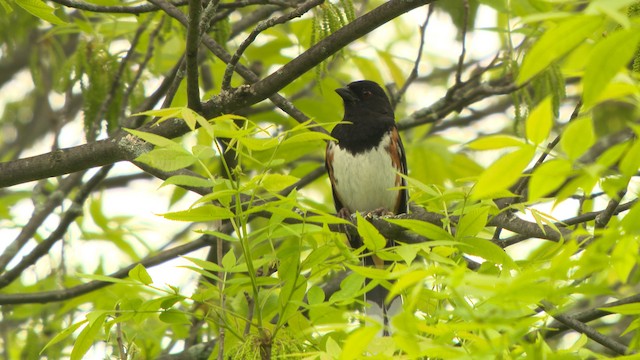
(143,65)
(592,314)
(605,215)
(121,348)
(583,328)
(250,305)
(465,26)
(67,219)
(583,218)
(144,8)
(262,26)
(39,215)
(73,292)
(117,79)
(414,72)
(221,332)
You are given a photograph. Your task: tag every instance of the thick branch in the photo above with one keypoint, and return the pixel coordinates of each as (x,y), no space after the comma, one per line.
(193,43)
(108,151)
(321,51)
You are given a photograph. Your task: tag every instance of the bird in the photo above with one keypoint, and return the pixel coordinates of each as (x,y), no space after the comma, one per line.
(365,165)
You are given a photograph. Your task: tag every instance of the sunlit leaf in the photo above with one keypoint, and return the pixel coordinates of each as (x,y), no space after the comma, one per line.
(472,222)
(172,316)
(371,237)
(630,162)
(608,57)
(426,229)
(200,213)
(540,121)
(87,337)
(577,137)
(358,341)
(548,177)
(139,273)
(493,142)
(557,42)
(188,180)
(39,9)
(503,173)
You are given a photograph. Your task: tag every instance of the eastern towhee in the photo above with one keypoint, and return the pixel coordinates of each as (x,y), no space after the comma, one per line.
(365,163)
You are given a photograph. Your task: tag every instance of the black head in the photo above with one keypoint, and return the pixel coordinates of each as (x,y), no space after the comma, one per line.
(365,96)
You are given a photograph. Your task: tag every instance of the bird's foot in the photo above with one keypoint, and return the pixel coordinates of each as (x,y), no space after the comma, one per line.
(344,213)
(379,212)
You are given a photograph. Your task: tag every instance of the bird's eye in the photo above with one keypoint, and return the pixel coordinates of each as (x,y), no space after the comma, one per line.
(366,94)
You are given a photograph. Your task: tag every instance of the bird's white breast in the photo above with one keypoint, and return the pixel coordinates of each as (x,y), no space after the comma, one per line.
(364,180)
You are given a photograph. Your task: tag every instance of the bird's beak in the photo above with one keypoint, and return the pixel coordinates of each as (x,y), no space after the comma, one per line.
(346,94)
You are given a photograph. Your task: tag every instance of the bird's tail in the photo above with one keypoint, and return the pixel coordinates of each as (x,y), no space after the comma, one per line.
(377,308)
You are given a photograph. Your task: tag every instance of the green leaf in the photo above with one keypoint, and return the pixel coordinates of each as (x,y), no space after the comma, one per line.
(372,239)
(472,222)
(104,278)
(630,162)
(203,152)
(207,265)
(407,280)
(396,73)
(167,159)
(188,180)
(315,295)
(631,222)
(423,228)
(557,42)
(140,274)
(548,177)
(493,142)
(201,213)
(577,137)
(487,250)
(305,137)
(63,334)
(277,182)
(172,316)
(6,7)
(369,272)
(503,173)
(624,257)
(154,139)
(87,336)
(229,259)
(369,69)
(608,57)
(626,309)
(163,114)
(540,121)
(39,9)
(358,341)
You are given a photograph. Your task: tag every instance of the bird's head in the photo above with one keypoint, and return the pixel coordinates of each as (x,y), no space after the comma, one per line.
(365,96)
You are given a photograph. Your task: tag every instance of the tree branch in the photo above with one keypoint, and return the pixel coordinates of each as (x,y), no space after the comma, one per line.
(193,43)
(43,248)
(70,293)
(583,328)
(40,214)
(262,26)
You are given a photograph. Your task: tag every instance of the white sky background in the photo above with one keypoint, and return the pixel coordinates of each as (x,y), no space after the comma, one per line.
(142,200)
